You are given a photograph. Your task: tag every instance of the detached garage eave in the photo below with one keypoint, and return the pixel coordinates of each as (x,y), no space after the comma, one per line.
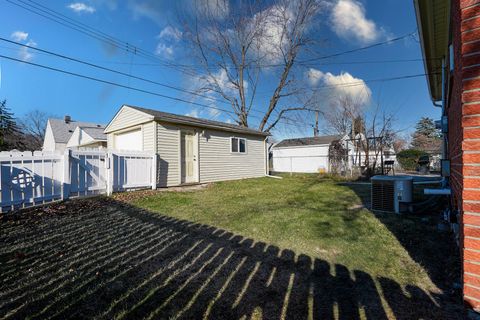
(433,29)
(215,127)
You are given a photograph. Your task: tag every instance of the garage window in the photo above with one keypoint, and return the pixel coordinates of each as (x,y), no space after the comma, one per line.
(238,145)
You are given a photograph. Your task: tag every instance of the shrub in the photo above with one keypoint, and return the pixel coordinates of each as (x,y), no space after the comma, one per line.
(408,158)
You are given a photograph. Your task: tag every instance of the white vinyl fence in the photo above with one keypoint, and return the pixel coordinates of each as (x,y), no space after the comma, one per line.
(29,179)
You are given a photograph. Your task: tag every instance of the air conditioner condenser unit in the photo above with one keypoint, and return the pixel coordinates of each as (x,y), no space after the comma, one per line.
(391,193)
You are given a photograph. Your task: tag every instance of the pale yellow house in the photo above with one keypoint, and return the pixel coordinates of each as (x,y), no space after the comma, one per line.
(190,150)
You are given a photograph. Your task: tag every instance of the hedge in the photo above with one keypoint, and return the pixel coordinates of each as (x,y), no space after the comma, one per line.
(408,158)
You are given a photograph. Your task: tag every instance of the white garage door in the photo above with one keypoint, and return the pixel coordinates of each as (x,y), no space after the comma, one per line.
(130,140)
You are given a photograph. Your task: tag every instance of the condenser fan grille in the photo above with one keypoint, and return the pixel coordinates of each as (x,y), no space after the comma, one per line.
(383,196)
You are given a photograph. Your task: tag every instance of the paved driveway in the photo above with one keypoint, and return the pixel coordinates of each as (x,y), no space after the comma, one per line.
(103,259)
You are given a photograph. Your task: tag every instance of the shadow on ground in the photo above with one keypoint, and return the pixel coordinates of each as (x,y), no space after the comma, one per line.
(111,260)
(418,233)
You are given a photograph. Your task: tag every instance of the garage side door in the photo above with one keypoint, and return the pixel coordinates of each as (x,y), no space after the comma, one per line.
(130,140)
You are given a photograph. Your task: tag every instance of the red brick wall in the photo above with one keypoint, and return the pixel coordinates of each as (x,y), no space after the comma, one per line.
(464,139)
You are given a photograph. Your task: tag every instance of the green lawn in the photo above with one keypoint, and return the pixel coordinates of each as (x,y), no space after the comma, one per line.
(319,217)
(297,248)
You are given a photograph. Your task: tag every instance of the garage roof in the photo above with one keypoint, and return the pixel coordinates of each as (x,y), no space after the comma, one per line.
(307,141)
(203,123)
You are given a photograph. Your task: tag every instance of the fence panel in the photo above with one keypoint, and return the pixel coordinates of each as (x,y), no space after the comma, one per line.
(88,172)
(132,170)
(29,179)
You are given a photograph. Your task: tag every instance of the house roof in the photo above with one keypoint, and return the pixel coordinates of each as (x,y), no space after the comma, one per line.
(175,118)
(433,23)
(95,132)
(307,141)
(62,131)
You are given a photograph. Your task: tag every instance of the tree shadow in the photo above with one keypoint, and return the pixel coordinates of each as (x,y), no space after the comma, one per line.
(130,263)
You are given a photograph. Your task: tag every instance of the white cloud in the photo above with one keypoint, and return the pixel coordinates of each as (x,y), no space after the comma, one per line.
(24,53)
(170,33)
(19,36)
(221,80)
(341,85)
(193,113)
(164,51)
(349,21)
(274,23)
(218,9)
(150,9)
(80,7)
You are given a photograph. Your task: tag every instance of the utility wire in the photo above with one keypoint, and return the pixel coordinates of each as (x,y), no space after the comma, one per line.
(167,96)
(89,31)
(127,87)
(356,83)
(113,83)
(361,48)
(123,45)
(110,70)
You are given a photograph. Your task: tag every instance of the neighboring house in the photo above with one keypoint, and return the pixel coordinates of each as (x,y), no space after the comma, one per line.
(59,132)
(450,40)
(311,154)
(302,154)
(88,138)
(190,150)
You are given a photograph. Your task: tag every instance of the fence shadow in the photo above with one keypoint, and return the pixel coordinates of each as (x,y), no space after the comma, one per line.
(418,233)
(114,260)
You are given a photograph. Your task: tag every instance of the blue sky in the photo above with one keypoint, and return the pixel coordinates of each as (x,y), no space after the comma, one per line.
(344,25)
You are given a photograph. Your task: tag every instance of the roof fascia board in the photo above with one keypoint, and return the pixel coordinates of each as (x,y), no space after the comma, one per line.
(201,125)
(107,128)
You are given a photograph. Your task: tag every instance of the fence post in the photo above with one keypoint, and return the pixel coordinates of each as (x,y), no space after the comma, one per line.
(154,172)
(109,173)
(66,179)
(291,165)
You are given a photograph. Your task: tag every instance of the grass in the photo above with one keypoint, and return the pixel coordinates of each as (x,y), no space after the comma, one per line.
(319,217)
(298,248)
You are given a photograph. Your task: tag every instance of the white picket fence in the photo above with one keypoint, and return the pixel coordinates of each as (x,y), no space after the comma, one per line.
(30,179)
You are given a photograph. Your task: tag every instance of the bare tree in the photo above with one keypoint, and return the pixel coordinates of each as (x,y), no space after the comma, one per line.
(33,126)
(342,112)
(379,136)
(236,46)
(371,132)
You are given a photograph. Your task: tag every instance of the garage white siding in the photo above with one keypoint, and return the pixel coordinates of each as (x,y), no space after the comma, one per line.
(307,159)
(217,163)
(127,117)
(148,130)
(168,149)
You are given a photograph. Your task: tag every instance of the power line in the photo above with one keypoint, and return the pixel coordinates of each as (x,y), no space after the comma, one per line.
(126,87)
(315,64)
(109,69)
(166,96)
(361,48)
(113,83)
(83,28)
(123,45)
(356,83)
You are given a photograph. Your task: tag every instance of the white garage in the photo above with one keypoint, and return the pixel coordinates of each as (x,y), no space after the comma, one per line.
(302,155)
